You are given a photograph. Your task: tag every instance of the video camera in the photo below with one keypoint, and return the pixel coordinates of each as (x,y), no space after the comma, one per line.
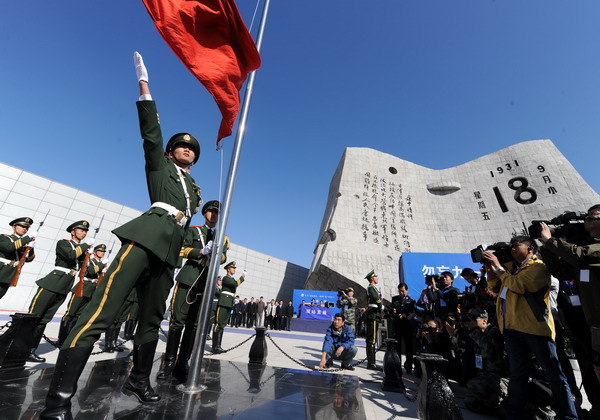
(437,278)
(341,292)
(568,225)
(500,249)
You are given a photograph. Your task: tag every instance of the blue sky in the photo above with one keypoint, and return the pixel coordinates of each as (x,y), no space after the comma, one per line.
(435,82)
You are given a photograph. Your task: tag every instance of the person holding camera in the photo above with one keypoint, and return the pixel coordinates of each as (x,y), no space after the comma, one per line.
(445,295)
(488,388)
(348,302)
(580,262)
(524,317)
(404,312)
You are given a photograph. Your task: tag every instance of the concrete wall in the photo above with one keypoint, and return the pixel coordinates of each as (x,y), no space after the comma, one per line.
(380,206)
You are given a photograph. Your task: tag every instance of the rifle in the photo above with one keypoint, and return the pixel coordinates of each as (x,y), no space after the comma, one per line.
(104,269)
(26,252)
(86,260)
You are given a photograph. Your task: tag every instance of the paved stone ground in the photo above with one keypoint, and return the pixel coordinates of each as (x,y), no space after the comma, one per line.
(304,347)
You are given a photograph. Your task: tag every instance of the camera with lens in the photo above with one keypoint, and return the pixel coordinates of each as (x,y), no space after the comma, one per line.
(426,328)
(568,225)
(437,278)
(500,249)
(341,292)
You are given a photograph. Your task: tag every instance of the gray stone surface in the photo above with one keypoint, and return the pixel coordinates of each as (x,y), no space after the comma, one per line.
(380,206)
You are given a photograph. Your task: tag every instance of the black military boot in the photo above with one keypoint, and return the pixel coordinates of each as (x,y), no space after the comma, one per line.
(69,365)
(138,382)
(371,363)
(37,337)
(63,332)
(168,362)
(108,340)
(181,369)
(129,329)
(216,341)
(115,339)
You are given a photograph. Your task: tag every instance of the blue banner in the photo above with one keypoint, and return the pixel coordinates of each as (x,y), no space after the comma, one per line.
(318,312)
(308,295)
(415,265)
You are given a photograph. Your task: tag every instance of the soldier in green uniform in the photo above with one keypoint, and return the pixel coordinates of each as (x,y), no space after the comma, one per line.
(76,304)
(228,287)
(189,287)
(11,250)
(372,318)
(54,288)
(149,252)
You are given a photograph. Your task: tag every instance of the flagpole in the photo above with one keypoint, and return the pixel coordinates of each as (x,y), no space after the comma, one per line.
(193,384)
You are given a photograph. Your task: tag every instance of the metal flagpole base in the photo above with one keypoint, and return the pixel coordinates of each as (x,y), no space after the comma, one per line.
(191,390)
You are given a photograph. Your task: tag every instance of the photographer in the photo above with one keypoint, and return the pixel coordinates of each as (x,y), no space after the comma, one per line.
(338,344)
(525,319)
(403,312)
(445,296)
(488,388)
(348,302)
(580,262)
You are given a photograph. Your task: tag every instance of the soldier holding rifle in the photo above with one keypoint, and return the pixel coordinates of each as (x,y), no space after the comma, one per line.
(13,248)
(54,287)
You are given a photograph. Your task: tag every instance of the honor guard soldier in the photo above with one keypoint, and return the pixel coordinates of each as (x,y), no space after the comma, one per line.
(77,303)
(11,250)
(228,287)
(150,246)
(372,318)
(54,288)
(186,299)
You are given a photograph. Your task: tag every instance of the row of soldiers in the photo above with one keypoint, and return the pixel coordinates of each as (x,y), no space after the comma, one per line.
(152,246)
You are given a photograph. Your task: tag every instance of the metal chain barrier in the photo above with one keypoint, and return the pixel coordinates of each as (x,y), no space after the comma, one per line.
(7,325)
(106,349)
(232,348)
(330,370)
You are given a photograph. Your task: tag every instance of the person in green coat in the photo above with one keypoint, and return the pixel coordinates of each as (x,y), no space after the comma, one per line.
(150,246)
(372,318)
(187,295)
(54,287)
(11,250)
(77,303)
(228,287)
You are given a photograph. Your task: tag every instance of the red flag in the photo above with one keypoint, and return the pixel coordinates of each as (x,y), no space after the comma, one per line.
(211,39)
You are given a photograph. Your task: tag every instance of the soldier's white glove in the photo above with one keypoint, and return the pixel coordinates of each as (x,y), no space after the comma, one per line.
(140,68)
(31,244)
(33,234)
(90,250)
(105,261)
(105,268)
(90,242)
(244,273)
(207,248)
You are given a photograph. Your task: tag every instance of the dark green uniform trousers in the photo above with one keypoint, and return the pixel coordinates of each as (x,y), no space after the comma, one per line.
(45,304)
(185,304)
(221,318)
(76,306)
(3,289)
(133,266)
(372,325)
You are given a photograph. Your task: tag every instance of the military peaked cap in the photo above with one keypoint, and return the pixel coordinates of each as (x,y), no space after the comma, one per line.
(349,289)
(101,247)
(81,224)
(211,205)
(230,265)
(184,138)
(22,221)
(371,274)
